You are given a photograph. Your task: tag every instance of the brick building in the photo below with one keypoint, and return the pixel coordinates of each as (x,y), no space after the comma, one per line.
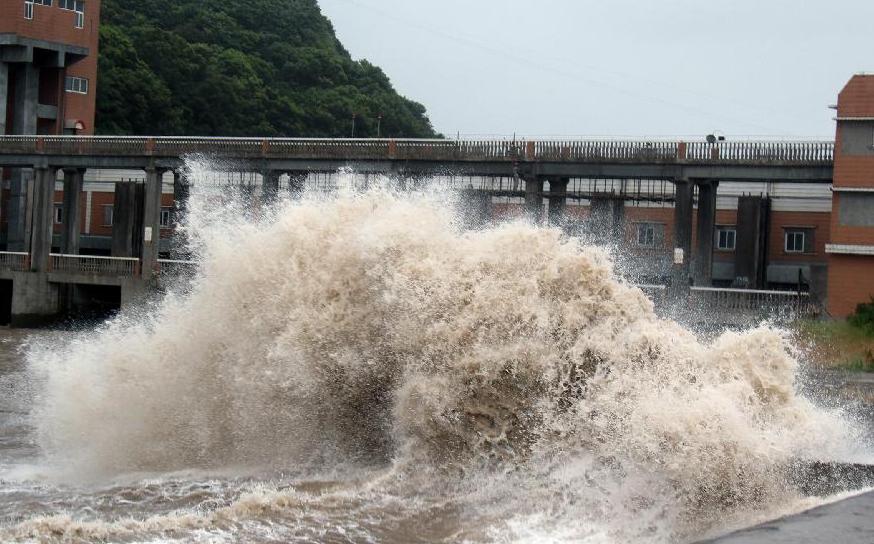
(851,247)
(48,79)
(48,66)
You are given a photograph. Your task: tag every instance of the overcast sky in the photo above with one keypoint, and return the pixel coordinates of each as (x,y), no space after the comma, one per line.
(615,67)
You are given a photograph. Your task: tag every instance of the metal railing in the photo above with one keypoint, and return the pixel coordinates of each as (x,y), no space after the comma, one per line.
(128,267)
(639,151)
(745,302)
(175,267)
(14,260)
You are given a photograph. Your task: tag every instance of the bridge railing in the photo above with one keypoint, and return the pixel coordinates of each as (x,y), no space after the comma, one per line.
(14,260)
(175,267)
(800,152)
(127,267)
(751,301)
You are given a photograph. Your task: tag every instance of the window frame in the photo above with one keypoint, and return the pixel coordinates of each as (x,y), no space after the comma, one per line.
(76,84)
(108,212)
(28,10)
(648,231)
(58,214)
(794,234)
(727,229)
(168,210)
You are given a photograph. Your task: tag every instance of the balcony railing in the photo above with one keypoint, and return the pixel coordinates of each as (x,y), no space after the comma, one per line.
(127,267)
(13,260)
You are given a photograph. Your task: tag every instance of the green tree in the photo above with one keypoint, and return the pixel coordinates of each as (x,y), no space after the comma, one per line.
(254,68)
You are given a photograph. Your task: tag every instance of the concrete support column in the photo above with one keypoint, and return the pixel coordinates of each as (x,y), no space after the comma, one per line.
(43,218)
(534,198)
(26,102)
(606,218)
(557,200)
(181,192)
(706,230)
(270,187)
(126,219)
(296,184)
(476,208)
(4,95)
(751,249)
(683,190)
(151,232)
(73,181)
(26,99)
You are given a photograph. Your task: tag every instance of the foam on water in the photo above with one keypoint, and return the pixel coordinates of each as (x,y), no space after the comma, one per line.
(504,376)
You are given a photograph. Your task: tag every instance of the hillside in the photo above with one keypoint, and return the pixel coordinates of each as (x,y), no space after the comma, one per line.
(253,68)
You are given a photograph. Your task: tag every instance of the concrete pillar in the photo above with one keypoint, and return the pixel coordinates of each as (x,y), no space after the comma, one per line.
(35,301)
(270,187)
(43,218)
(682,233)
(181,192)
(297,184)
(151,231)
(534,198)
(706,230)
(24,109)
(127,219)
(557,200)
(4,95)
(73,180)
(476,208)
(606,218)
(26,99)
(751,249)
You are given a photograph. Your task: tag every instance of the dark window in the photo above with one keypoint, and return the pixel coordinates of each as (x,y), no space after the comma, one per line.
(726,238)
(798,240)
(73,84)
(59,214)
(43,2)
(165,217)
(107,216)
(28,10)
(646,235)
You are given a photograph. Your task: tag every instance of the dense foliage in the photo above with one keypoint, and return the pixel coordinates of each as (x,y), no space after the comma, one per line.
(863,318)
(253,68)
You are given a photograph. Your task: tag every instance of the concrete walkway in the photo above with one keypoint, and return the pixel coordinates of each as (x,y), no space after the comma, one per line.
(850,521)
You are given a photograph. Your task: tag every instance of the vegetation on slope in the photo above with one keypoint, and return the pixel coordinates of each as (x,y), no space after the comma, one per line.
(253,68)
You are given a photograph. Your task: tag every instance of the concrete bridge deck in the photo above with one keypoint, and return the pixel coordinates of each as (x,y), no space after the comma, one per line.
(799,161)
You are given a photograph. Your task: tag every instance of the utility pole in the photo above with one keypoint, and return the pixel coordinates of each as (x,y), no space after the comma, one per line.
(353,124)
(379,126)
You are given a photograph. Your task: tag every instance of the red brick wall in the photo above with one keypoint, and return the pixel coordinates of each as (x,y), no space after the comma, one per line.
(819,221)
(857,98)
(850,281)
(53,24)
(851,277)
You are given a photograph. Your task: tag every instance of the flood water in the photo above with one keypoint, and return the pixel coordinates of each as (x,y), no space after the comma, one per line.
(360,369)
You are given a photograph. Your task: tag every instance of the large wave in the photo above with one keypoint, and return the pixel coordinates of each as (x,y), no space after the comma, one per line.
(508,364)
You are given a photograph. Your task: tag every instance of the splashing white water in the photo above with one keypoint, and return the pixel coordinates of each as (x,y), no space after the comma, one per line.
(506,370)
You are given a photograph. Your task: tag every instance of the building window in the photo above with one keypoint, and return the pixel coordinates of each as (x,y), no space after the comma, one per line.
(73,84)
(79,7)
(43,2)
(59,214)
(165,216)
(798,240)
(107,216)
(646,235)
(28,10)
(726,238)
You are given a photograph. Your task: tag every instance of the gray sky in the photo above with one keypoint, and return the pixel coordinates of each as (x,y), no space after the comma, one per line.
(615,67)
